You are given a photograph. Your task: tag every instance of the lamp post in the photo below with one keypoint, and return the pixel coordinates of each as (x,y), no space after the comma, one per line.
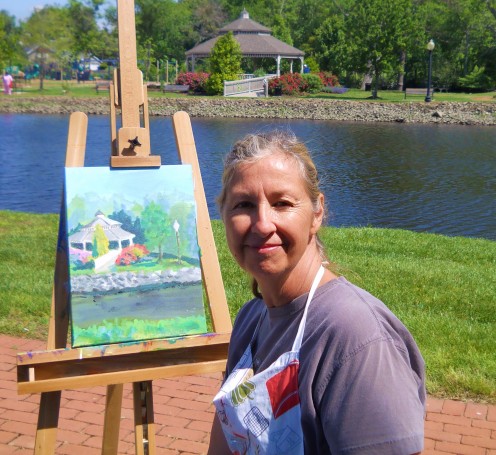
(430,48)
(176,227)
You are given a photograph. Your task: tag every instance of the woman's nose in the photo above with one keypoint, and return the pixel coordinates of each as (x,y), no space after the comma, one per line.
(262,221)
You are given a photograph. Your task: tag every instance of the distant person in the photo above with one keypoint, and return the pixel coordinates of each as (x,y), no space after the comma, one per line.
(316,365)
(8,83)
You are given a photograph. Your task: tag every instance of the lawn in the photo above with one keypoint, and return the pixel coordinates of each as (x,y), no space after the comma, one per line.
(442,288)
(87,89)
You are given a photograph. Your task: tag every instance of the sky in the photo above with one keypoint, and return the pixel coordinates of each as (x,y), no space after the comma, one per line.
(22,9)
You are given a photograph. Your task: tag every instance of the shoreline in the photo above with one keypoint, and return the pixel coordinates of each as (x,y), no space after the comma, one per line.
(453,113)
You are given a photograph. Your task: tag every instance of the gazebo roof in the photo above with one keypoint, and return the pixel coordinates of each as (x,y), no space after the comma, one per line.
(244,25)
(254,39)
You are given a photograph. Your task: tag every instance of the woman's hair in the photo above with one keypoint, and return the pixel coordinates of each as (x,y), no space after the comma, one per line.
(254,147)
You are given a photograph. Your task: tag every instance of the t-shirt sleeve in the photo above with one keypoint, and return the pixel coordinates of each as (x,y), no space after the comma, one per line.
(375,406)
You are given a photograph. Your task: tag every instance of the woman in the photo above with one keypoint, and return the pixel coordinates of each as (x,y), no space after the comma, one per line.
(316,365)
(7,83)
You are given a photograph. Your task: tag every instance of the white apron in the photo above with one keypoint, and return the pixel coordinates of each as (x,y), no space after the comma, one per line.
(260,414)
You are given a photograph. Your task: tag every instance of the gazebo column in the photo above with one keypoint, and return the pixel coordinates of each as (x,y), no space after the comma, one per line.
(291,66)
(302,66)
(193,63)
(278,60)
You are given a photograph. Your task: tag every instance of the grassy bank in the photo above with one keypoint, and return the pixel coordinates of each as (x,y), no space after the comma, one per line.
(443,288)
(87,90)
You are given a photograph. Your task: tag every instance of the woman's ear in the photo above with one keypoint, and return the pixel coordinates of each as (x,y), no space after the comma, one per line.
(318,215)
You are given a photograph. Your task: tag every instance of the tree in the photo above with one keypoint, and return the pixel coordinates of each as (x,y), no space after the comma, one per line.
(332,47)
(100,242)
(10,51)
(225,63)
(156,226)
(49,28)
(88,38)
(207,16)
(166,24)
(378,30)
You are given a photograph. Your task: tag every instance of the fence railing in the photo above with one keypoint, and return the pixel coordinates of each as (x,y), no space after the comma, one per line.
(246,86)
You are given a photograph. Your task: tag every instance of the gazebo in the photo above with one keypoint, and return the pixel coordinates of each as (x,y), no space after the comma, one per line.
(255,40)
(118,238)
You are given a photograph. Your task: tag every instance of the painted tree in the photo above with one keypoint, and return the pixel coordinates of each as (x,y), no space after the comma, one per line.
(225,63)
(100,242)
(184,213)
(157,227)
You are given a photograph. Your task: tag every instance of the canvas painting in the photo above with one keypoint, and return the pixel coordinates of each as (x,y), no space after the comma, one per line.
(134,261)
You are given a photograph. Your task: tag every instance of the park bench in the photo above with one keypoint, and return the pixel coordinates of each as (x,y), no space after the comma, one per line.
(153,85)
(176,88)
(418,91)
(102,86)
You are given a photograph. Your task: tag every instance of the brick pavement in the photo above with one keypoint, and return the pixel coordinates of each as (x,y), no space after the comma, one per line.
(183,416)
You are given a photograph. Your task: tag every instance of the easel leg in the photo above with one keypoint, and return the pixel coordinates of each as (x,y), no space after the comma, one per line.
(143,418)
(48,418)
(112,421)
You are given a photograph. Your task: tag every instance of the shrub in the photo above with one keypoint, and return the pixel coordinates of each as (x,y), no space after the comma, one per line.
(132,254)
(225,63)
(287,84)
(215,84)
(328,79)
(196,81)
(314,83)
(81,259)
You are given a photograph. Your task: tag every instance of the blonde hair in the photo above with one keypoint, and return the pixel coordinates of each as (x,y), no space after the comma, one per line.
(254,147)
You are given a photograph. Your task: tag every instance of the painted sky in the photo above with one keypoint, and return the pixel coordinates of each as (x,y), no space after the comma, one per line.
(140,183)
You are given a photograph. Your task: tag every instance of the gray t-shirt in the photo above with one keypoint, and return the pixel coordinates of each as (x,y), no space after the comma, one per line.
(361,377)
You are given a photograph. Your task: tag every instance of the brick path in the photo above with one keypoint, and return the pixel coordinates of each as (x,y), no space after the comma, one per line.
(183,416)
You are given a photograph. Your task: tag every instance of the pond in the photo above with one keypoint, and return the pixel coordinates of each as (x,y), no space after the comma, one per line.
(424,178)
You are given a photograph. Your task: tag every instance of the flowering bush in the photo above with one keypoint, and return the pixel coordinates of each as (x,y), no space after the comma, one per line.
(81,259)
(196,81)
(328,79)
(132,254)
(288,84)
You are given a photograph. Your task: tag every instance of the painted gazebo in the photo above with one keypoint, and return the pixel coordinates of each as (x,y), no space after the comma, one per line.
(118,238)
(255,40)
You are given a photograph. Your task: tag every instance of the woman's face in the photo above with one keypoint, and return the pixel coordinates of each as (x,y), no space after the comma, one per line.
(269,218)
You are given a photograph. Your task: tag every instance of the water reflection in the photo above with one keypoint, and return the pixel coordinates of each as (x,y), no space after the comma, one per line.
(421,177)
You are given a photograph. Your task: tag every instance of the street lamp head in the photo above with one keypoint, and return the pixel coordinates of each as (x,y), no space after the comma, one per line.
(430,45)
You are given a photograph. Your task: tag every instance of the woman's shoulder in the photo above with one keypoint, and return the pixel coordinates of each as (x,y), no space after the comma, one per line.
(341,308)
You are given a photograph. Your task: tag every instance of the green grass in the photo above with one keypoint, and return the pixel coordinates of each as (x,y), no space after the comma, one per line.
(395,96)
(442,288)
(87,90)
(74,89)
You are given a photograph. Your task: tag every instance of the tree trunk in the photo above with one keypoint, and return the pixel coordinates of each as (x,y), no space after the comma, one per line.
(401,76)
(375,84)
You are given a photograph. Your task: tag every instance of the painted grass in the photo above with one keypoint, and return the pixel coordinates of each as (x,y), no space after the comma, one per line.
(124,330)
(442,288)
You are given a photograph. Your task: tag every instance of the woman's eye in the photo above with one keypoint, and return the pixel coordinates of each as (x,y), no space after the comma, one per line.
(242,205)
(282,204)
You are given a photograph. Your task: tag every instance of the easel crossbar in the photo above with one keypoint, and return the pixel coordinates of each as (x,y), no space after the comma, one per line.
(60,369)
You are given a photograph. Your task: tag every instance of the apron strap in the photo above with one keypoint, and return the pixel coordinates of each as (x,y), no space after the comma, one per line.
(301,329)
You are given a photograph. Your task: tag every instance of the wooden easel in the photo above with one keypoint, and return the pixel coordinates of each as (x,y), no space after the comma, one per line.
(60,368)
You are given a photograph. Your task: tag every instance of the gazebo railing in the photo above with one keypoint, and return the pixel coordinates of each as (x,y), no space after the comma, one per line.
(247,86)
